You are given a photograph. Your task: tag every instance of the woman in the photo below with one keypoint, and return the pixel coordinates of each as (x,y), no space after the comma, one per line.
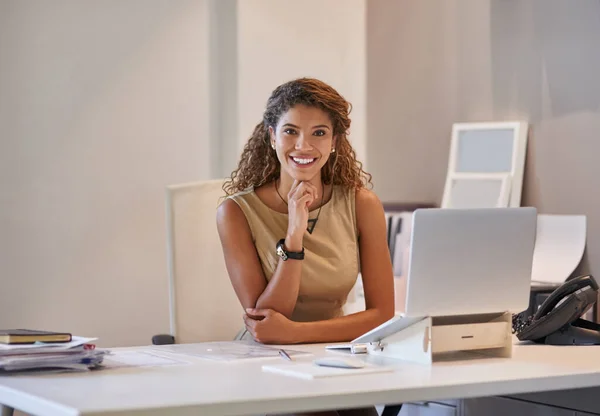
(299,224)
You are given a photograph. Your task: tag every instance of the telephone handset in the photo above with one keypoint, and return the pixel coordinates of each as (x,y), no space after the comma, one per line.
(558,320)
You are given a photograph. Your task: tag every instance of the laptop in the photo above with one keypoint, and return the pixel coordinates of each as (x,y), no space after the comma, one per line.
(466,261)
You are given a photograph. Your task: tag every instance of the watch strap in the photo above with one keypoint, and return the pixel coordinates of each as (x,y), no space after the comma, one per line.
(285,254)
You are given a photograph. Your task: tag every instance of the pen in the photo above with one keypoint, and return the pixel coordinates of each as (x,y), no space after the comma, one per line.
(285,355)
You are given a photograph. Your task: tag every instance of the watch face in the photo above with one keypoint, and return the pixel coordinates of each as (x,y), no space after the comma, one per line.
(281,253)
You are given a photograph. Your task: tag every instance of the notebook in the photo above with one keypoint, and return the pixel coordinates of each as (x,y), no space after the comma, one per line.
(309,370)
(30,336)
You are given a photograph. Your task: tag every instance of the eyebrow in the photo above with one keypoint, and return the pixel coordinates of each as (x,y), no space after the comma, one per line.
(314,127)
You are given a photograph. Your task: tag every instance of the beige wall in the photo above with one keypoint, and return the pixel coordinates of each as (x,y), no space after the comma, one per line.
(105,103)
(102,104)
(431,63)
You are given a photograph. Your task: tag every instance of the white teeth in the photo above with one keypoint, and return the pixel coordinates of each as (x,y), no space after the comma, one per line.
(303,161)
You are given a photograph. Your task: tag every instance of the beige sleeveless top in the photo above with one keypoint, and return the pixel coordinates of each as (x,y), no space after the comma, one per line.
(330,266)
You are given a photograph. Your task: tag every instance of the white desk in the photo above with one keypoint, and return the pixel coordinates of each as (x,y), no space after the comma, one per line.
(212,388)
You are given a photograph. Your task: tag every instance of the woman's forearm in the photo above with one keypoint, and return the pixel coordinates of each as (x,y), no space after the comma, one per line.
(342,329)
(282,291)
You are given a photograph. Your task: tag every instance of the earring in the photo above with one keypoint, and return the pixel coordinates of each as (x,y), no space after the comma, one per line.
(333,150)
(272,146)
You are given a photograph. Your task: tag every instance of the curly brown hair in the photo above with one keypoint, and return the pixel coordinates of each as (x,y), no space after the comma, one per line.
(258,163)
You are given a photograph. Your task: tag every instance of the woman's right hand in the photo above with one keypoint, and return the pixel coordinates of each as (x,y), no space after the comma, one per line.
(301,196)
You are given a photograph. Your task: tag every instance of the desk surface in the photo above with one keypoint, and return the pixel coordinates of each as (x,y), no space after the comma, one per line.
(213,388)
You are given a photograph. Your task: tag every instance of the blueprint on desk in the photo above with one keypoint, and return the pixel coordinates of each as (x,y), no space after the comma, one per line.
(227,350)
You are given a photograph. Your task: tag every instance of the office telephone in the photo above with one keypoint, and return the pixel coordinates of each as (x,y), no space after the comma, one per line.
(558,321)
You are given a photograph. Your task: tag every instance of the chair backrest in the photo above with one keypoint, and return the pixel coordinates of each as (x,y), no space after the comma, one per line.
(203,304)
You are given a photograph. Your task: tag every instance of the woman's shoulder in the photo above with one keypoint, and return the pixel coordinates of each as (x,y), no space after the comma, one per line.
(248,201)
(365,195)
(367,202)
(243,194)
(233,205)
(235,210)
(361,196)
(231,217)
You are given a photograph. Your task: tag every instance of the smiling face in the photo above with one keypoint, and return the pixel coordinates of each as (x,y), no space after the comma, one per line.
(303,139)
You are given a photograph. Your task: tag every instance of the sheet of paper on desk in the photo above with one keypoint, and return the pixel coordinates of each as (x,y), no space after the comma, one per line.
(308,370)
(118,359)
(227,350)
(559,247)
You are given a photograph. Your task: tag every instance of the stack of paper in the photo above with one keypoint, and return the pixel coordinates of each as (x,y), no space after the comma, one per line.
(78,354)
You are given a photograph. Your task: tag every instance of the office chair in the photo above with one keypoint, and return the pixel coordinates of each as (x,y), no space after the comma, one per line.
(203,304)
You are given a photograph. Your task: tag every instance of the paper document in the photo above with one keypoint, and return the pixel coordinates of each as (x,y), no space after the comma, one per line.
(46,356)
(119,359)
(76,359)
(227,350)
(400,245)
(559,247)
(309,370)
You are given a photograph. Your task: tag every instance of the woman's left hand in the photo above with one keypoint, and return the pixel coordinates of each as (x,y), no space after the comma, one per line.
(269,327)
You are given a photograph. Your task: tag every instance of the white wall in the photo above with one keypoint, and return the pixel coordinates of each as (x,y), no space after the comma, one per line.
(102,105)
(322,39)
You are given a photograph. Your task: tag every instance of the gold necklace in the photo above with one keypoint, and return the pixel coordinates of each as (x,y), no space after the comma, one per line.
(311,222)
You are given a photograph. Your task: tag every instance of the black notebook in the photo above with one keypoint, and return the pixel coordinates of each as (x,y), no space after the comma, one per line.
(29,336)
